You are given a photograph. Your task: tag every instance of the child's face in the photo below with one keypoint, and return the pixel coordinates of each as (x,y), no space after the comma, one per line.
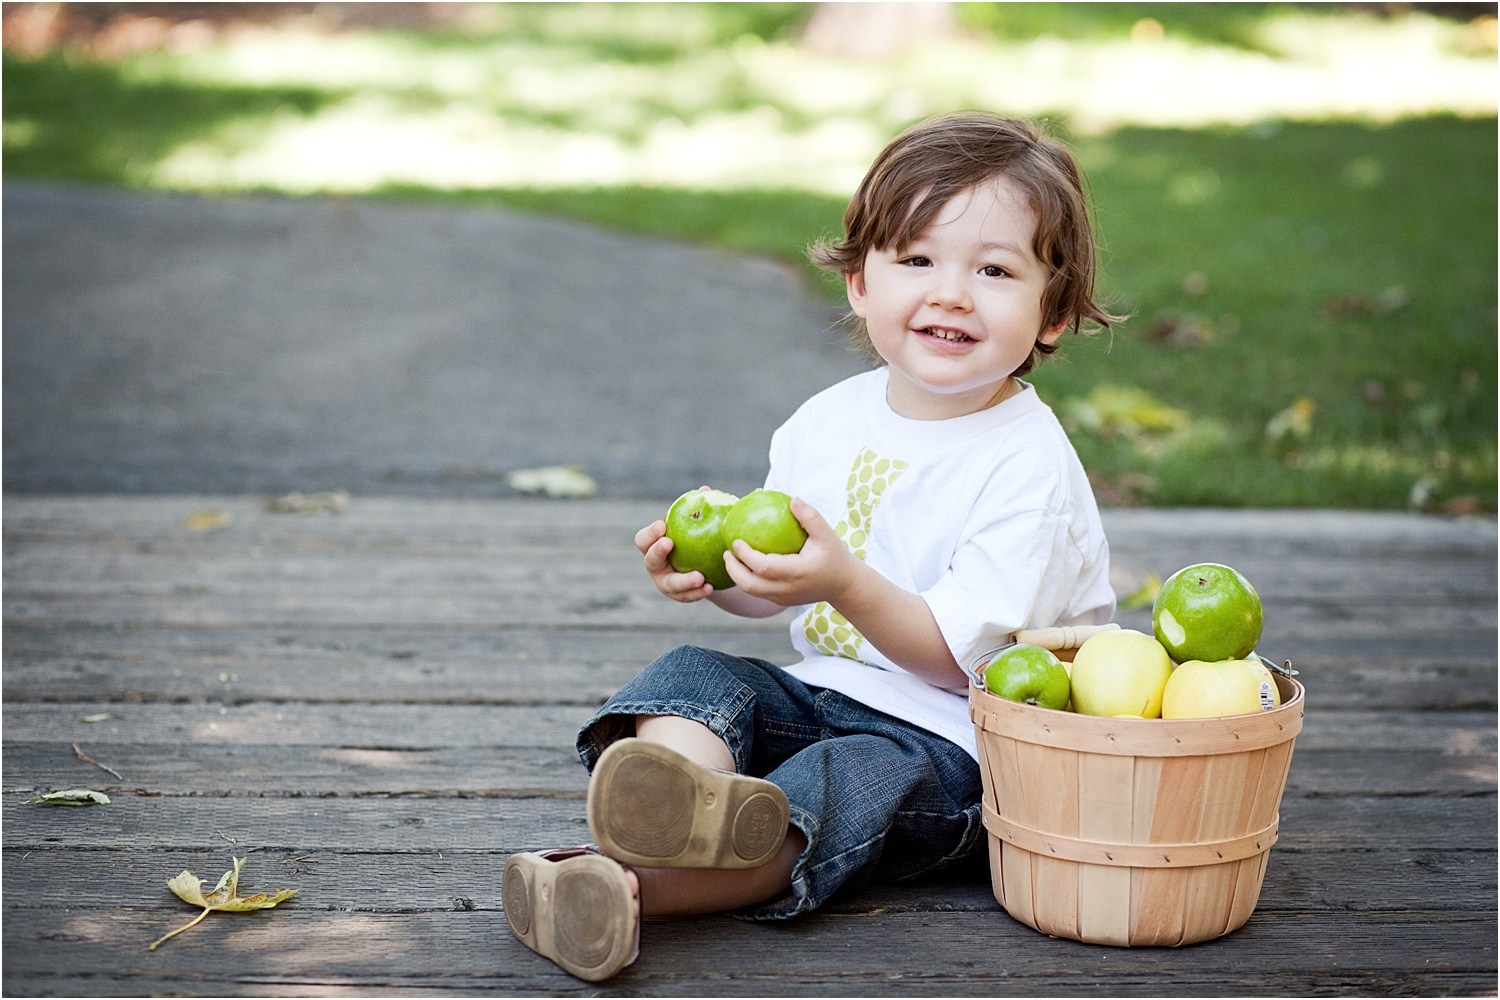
(959,310)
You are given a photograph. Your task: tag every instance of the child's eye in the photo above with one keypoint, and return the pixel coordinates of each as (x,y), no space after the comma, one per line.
(917,262)
(994,271)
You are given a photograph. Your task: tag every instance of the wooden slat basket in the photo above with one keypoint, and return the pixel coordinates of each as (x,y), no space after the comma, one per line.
(1132,832)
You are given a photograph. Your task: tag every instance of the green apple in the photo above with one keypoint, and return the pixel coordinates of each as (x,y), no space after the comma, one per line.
(1206,612)
(1028,674)
(764,520)
(695,523)
(1120,673)
(1201,690)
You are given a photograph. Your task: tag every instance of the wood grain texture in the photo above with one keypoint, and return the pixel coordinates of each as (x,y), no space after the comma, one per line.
(379,707)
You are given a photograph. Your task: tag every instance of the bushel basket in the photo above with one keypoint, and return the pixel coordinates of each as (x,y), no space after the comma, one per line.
(1132,831)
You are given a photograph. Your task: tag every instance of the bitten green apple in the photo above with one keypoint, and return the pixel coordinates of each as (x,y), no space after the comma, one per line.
(1028,674)
(764,519)
(1207,612)
(695,523)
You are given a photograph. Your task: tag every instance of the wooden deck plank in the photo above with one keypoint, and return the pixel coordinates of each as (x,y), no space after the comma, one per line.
(187,573)
(143,549)
(835,955)
(379,707)
(552,727)
(465,878)
(581,666)
(296,768)
(504,823)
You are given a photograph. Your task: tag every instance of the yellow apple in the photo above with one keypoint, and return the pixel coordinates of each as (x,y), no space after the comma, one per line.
(1120,673)
(1201,689)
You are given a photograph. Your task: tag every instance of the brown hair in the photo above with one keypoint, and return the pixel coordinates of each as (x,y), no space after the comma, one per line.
(926,165)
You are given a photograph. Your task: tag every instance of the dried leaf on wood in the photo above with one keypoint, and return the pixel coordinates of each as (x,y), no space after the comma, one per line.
(556,481)
(71,797)
(208,519)
(223,897)
(323,502)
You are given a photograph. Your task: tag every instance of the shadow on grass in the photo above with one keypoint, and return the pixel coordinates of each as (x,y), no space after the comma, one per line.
(80,120)
(639,34)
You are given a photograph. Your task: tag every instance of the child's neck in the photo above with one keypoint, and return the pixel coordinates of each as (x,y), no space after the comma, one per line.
(935,406)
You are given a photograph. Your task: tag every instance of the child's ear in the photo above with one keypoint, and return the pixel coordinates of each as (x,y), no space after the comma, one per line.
(1050,334)
(854,289)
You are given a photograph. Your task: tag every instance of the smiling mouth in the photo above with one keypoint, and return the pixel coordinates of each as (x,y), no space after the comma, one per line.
(941,333)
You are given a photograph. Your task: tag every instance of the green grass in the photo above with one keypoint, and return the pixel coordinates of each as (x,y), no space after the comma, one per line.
(1349,265)
(1312,304)
(78,120)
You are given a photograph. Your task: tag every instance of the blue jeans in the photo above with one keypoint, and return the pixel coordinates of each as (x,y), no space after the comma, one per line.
(877,798)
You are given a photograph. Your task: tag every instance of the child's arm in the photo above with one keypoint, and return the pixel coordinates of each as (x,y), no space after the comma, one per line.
(897,621)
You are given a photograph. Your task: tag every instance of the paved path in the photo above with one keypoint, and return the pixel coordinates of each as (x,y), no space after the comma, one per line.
(161,344)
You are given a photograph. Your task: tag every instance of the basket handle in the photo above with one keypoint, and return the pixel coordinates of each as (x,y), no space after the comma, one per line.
(1062,636)
(1054,638)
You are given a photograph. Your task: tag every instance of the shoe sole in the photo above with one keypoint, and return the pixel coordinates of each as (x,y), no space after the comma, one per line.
(650,806)
(580,912)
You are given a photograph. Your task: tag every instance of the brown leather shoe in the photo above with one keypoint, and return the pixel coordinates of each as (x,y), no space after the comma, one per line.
(575,907)
(652,807)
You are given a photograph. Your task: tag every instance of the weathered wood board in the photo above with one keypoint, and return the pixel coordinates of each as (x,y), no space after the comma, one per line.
(378,707)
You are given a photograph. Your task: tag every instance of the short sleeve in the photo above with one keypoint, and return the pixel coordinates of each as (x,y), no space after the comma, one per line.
(778,472)
(1018,571)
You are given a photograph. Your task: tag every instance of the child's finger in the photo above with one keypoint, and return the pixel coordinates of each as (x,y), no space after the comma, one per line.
(650,534)
(686,587)
(807,515)
(751,561)
(658,556)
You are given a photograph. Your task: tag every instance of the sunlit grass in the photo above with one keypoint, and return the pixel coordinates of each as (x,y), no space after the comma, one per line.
(723,96)
(1298,204)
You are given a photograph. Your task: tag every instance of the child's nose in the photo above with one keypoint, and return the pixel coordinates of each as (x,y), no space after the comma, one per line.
(949,290)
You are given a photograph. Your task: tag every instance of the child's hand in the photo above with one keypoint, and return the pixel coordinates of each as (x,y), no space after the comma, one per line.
(655,547)
(820,572)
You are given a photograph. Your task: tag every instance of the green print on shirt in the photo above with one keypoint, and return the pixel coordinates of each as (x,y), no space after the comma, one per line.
(828,631)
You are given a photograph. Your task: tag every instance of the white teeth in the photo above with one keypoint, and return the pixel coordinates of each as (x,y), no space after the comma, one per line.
(946,334)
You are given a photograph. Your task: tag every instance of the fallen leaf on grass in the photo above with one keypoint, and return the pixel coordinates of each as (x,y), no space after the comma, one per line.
(1367,303)
(1293,423)
(223,897)
(1124,410)
(71,797)
(1183,330)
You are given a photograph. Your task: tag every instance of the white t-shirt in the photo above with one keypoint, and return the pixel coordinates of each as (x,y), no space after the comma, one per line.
(988,516)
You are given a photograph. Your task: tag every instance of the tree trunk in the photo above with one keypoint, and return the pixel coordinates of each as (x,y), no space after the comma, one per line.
(875,30)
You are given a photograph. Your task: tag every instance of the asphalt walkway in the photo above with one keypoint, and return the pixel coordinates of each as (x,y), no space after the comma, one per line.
(178,344)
